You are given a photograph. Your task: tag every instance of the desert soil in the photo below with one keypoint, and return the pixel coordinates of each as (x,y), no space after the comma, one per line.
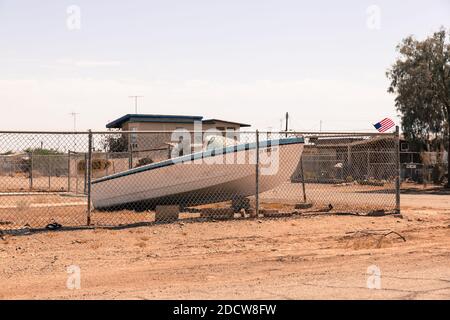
(312,256)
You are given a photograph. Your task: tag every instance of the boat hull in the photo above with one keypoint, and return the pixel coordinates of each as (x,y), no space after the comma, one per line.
(199,180)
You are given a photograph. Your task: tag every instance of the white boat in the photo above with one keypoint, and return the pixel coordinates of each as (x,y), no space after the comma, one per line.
(219,173)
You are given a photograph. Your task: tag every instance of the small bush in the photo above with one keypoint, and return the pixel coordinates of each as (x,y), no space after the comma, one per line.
(310,175)
(144,161)
(22,205)
(437,174)
(97,164)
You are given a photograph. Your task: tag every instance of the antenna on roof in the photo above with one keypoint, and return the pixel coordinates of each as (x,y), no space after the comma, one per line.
(135,102)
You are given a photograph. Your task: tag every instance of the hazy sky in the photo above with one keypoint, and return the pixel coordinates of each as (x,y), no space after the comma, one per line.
(248,61)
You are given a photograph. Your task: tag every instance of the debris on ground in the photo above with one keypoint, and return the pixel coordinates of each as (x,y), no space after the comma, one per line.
(53,226)
(376,213)
(383,233)
(371,239)
(303,205)
(274,213)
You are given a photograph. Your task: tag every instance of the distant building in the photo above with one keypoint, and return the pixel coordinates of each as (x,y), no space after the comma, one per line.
(160,122)
(328,159)
(168,123)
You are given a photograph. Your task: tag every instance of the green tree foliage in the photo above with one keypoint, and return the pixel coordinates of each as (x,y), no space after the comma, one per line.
(42,151)
(420,79)
(115,143)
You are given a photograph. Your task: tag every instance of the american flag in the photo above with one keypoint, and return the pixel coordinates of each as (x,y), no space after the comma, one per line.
(384,125)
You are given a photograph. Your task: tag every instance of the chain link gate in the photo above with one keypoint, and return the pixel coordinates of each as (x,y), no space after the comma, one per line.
(121,178)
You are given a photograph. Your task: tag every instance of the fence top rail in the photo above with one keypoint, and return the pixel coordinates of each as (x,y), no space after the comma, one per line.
(312,133)
(43,132)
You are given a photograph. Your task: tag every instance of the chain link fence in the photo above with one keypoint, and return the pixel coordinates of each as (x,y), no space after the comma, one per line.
(122,178)
(424,167)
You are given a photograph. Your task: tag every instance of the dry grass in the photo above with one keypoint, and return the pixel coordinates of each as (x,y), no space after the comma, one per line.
(22,205)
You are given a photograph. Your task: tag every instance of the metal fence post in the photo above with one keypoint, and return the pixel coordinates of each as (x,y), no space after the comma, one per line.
(85,172)
(257,175)
(49,173)
(31,170)
(302,173)
(76,174)
(107,161)
(397,161)
(130,155)
(68,170)
(89,174)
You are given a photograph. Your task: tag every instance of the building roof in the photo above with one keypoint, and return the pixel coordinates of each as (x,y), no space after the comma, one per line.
(166,118)
(152,118)
(213,121)
(349,141)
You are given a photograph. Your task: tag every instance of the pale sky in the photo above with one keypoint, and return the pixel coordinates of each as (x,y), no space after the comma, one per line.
(248,61)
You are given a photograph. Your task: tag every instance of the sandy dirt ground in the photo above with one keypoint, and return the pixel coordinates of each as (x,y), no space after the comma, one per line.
(311,256)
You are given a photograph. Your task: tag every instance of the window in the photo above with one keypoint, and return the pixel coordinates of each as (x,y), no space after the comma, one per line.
(133,139)
(232,133)
(221,129)
(404,146)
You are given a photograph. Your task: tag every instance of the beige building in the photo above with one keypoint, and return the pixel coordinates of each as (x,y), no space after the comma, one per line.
(168,123)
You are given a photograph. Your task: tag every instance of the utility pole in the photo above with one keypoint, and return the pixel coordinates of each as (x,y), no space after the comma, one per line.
(287,122)
(320,126)
(135,102)
(74,115)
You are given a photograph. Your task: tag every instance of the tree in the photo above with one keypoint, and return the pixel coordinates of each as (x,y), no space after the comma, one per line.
(42,151)
(420,78)
(115,143)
